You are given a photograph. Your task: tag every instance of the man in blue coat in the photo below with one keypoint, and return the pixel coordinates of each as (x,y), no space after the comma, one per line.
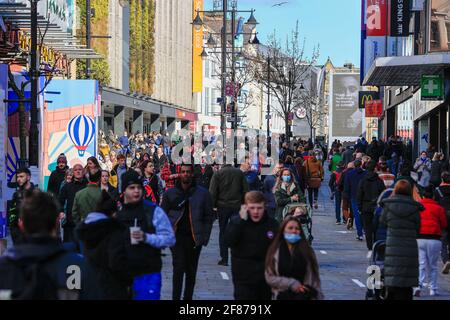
(351,183)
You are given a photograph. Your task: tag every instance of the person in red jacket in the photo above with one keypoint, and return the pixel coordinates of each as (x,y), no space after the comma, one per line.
(432,223)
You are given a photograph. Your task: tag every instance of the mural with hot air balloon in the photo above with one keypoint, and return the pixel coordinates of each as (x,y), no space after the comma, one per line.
(70,125)
(81,130)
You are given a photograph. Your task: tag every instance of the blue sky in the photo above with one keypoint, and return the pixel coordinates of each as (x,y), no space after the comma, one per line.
(333,24)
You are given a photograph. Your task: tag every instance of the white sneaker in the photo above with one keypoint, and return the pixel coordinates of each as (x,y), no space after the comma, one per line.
(416,292)
(433,293)
(369,254)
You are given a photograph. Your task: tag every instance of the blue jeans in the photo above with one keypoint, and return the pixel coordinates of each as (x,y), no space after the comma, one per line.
(357,218)
(338,202)
(167,150)
(147,287)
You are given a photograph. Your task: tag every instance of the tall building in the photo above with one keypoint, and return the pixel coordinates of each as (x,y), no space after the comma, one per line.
(149,59)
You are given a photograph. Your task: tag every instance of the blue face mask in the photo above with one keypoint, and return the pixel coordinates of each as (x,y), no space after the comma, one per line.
(292,237)
(286,179)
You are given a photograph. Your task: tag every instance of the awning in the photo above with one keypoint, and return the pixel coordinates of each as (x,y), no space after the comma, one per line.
(405,71)
(18,16)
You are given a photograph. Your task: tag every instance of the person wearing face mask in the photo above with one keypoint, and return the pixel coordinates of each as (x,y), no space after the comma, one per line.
(286,191)
(249,235)
(423,168)
(291,269)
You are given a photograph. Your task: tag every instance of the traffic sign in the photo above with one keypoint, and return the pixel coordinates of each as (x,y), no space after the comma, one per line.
(432,87)
(300,113)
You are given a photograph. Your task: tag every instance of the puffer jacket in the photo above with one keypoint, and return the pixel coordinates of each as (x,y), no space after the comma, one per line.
(432,220)
(201,213)
(283,197)
(401,216)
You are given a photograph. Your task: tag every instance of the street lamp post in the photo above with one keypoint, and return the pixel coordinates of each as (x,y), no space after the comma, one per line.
(33,144)
(268,97)
(198,24)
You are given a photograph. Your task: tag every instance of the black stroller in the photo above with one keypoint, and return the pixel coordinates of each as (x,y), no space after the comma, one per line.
(376,272)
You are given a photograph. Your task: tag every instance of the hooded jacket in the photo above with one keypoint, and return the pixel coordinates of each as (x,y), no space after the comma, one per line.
(369,189)
(351,183)
(401,216)
(104,247)
(201,215)
(56,266)
(54,182)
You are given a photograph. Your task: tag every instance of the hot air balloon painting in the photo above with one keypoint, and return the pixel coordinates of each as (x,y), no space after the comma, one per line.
(81,130)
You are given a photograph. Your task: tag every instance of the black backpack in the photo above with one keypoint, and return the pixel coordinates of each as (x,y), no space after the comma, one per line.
(39,285)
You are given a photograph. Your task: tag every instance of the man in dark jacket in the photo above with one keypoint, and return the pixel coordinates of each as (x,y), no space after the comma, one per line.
(67,198)
(203,174)
(373,150)
(335,179)
(347,156)
(228,188)
(249,236)
(23,179)
(189,208)
(40,268)
(57,176)
(369,190)
(155,233)
(351,184)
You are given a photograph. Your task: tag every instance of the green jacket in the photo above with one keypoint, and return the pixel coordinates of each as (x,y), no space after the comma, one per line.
(85,202)
(334,162)
(282,198)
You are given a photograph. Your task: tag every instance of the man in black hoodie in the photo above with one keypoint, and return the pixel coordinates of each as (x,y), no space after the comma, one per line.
(369,190)
(249,235)
(57,176)
(40,268)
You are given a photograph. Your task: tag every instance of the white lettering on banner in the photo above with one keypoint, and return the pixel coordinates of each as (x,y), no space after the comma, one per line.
(374,17)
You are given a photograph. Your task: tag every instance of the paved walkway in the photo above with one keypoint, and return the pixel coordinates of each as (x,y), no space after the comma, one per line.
(342,261)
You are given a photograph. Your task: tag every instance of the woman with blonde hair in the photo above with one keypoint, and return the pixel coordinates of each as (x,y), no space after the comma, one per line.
(286,191)
(292,270)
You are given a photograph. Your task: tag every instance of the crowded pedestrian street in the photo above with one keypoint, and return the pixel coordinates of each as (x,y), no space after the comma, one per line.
(225,150)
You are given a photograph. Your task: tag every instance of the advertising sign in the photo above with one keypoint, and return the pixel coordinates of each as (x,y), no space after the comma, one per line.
(376,18)
(365,96)
(400,17)
(70,123)
(374,109)
(197,47)
(346,117)
(374,47)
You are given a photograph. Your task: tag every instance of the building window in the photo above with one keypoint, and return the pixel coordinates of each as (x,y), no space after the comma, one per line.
(207,69)
(207,100)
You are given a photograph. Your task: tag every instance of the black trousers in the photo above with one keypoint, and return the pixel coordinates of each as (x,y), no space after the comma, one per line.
(185,257)
(367,221)
(311,192)
(399,293)
(225,215)
(260,291)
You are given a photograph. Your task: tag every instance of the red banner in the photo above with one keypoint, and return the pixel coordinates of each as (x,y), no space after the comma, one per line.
(374,109)
(376,18)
